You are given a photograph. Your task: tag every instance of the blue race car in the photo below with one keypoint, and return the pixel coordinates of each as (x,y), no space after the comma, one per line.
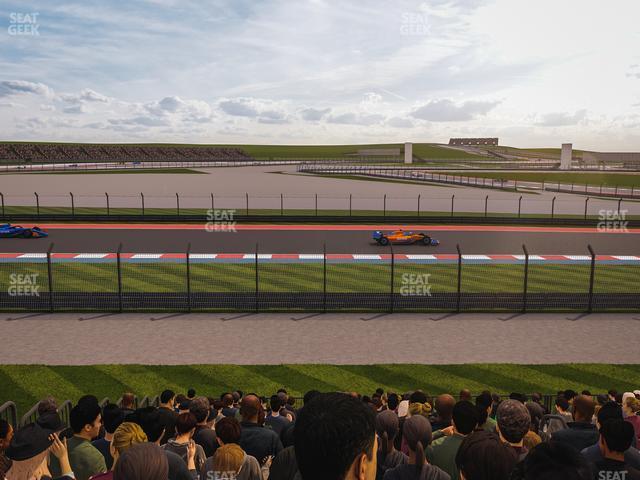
(16,231)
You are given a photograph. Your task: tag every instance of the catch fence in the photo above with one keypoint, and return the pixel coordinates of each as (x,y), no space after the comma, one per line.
(318,282)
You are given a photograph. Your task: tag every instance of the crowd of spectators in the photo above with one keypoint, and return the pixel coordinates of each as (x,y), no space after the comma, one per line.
(70,153)
(332,436)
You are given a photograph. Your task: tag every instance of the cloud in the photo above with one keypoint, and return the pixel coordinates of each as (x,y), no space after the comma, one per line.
(78,108)
(239,107)
(17,87)
(146,121)
(446,110)
(314,114)
(561,119)
(351,118)
(398,122)
(86,95)
(187,110)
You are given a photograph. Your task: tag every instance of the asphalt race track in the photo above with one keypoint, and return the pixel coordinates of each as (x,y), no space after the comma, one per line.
(488,240)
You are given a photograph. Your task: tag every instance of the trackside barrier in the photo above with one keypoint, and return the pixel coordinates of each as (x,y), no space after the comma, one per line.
(322,282)
(9,413)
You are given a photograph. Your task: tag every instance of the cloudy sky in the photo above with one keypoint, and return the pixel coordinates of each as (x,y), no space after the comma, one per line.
(322,71)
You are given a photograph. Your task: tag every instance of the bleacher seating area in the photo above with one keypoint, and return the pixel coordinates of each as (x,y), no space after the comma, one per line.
(18,153)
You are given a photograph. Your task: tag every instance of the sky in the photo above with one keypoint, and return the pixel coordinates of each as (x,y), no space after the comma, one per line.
(534,74)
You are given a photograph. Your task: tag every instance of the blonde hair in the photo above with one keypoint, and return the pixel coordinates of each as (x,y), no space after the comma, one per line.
(423,409)
(127,434)
(228,458)
(31,469)
(633,404)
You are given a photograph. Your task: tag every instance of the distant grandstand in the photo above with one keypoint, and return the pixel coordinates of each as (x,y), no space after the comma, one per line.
(16,153)
(473,141)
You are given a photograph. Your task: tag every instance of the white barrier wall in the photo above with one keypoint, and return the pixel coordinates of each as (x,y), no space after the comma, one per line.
(408,152)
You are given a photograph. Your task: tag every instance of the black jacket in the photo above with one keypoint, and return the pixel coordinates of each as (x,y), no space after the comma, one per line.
(259,442)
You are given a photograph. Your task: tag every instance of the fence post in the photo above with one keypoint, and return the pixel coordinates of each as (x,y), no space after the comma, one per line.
(591,277)
(316,204)
(108,209)
(486,204)
(619,205)
(616,193)
(324,277)
(142,198)
(281,205)
(213,209)
(247,204)
(459,277)
(37,203)
(178,203)
(384,205)
(519,206)
(418,204)
(526,278)
(586,205)
(350,205)
(553,206)
(119,267)
(2,197)
(452,199)
(391,299)
(257,286)
(73,210)
(188,277)
(50,277)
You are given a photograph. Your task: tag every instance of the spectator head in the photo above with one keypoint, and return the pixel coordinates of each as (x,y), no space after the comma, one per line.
(418,397)
(521,397)
(417,433)
(570,395)
(191,393)
(601,399)
(583,408)
(88,399)
(151,423)
(218,406)
(143,461)
(423,409)
(536,413)
(112,417)
(250,408)
(616,437)
(228,431)
(380,391)
(536,397)
(484,404)
(444,406)
(465,394)
(126,435)
(554,461)
(612,394)
(227,460)
(276,402)
(47,405)
(464,417)
(608,411)
(167,397)
(6,433)
(85,419)
(483,456)
(186,424)
(128,400)
(183,406)
(387,428)
(291,401)
(236,397)
(200,408)
(227,399)
(513,421)
(562,404)
(631,406)
(392,401)
(335,438)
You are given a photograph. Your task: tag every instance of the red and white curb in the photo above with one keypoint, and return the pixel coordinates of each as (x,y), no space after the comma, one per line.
(353,257)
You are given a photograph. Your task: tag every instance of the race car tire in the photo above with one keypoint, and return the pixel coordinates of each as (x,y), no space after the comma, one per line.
(27,234)
(426,240)
(384,241)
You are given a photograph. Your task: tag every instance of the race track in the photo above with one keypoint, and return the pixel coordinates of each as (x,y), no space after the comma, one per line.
(310,239)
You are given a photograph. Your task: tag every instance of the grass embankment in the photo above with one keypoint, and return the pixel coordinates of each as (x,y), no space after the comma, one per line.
(27,384)
(167,277)
(590,178)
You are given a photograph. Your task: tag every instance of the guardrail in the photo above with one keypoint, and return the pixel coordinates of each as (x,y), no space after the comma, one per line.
(9,413)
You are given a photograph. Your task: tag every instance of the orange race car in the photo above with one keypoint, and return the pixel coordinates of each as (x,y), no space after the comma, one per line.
(401,237)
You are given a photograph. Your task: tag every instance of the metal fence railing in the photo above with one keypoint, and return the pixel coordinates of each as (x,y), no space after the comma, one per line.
(9,413)
(320,282)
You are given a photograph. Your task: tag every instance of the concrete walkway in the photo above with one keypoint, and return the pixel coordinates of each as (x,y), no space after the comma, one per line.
(80,339)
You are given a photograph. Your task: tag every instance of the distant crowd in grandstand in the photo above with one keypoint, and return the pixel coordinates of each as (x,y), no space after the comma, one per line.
(18,153)
(331,436)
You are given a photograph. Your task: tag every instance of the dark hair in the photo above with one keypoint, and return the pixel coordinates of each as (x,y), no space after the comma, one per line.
(191,393)
(332,430)
(83,414)
(227,399)
(236,396)
(380,391)
(418,397)
(387,428)
(142,461)
(291,401)
(112,417)
(47,405)
(483,456)
(465,417)
(199,406)
(309,396)
(276,402)
(167,395)
(88,399)
(218,405)
(562,402)
(569,394)
(483,402)
(554,461)
(583,407)
(393,400)
(417,433)
(150,421)
(617,434)
(609,411)
(228,430)
(4,428)
(185,422)
(521,397)
(465,394)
